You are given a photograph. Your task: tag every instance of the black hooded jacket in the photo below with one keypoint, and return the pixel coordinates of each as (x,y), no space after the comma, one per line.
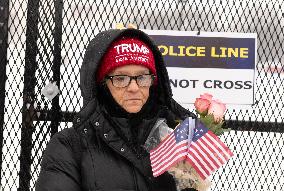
(103,151)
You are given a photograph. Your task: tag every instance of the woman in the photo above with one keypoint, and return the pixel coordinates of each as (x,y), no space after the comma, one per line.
(126,89)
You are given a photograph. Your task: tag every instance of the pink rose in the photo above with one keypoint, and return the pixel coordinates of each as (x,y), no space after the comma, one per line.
(206,96)
(201,105)
(217,108)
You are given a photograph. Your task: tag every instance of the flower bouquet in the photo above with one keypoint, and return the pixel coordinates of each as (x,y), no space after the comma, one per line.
(192,151)
(211,113)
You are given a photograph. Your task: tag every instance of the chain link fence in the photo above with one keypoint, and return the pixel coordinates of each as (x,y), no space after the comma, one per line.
(44,41)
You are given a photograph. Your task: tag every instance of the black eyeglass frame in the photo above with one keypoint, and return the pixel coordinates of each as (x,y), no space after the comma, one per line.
(131,78)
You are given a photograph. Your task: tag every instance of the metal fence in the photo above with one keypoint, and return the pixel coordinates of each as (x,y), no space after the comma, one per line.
(43,41)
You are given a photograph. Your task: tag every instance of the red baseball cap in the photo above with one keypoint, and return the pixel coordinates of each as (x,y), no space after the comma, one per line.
(126,51)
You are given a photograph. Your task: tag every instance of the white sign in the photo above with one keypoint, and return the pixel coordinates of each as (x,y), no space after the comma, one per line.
(222,64)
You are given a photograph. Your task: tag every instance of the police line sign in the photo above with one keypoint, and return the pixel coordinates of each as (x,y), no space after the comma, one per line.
(222,64)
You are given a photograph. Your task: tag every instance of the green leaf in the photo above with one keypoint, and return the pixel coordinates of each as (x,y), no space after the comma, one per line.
(202,114)
(209,122)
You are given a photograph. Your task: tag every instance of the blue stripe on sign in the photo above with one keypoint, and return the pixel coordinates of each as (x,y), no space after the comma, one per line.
(214,52)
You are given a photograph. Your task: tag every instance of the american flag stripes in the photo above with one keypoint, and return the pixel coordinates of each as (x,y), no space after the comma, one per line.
(193,143)
(207,152)
(171,150)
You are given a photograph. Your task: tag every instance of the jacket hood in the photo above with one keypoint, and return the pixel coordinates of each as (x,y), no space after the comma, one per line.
(98,47)
(95,52)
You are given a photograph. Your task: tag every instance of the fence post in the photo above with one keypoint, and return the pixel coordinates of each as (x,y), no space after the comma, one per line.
(55,110)
(4,15)
(29,95)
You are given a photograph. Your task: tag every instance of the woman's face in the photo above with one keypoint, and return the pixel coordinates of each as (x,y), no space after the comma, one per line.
(132,97)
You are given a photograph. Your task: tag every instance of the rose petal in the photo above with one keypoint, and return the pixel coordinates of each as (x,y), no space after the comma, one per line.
(201,105)
(206,96)
(217,109)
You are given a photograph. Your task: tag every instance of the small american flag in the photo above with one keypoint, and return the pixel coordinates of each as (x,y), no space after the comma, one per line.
(207,152)
(171,150)
(193,143)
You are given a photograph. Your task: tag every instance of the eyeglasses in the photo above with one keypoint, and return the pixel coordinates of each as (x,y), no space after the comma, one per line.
(122,81)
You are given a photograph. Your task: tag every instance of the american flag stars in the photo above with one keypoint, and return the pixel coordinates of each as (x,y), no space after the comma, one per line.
(181,132)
